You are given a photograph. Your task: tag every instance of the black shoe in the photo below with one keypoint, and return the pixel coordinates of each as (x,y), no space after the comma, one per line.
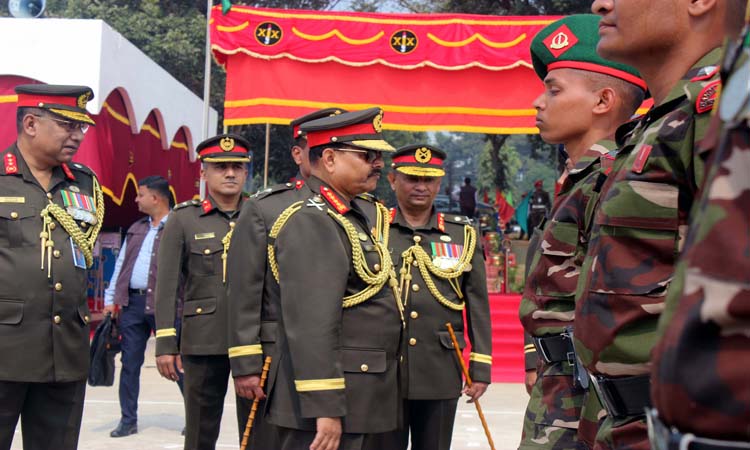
(123,430)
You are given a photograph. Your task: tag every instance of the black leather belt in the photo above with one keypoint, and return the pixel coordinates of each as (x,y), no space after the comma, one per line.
(663,437)
(136,291)
(555,348)
(625,396)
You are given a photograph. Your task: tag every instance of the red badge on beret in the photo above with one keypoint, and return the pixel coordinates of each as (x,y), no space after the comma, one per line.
(560,41)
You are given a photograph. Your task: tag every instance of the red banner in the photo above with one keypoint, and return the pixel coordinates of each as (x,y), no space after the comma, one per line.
(427,71)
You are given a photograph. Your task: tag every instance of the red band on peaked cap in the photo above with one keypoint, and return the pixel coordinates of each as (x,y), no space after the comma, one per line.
(216,149)
(33,100)
(411,159)
(321,137)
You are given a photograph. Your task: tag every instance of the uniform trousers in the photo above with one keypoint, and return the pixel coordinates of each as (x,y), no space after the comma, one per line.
(206,378)
(291,439)
(50,414)
(430,424)
(136,327)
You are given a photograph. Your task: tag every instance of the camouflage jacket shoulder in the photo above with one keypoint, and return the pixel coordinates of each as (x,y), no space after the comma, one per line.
(640,225)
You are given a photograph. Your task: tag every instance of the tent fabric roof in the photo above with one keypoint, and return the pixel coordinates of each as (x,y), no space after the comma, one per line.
(106,62)
(404,41)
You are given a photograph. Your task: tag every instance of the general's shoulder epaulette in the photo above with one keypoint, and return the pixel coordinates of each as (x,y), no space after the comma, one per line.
(461,220)
(187,203)
(368,197)
(281,187)
(81,168)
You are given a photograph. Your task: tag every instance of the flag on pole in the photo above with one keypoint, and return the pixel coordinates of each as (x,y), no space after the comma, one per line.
(226,5)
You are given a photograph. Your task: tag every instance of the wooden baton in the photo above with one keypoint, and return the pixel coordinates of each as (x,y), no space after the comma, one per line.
(254,408)
(469,383)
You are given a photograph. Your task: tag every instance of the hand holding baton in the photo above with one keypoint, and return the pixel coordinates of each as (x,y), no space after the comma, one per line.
(469,383)
(254,408)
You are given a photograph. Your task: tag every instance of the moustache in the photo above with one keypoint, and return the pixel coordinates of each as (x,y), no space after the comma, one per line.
(374,172)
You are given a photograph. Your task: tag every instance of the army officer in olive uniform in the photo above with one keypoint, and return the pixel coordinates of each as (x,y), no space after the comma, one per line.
(334,383)
(194,249)
(441,273)
(51,210)
(252,289)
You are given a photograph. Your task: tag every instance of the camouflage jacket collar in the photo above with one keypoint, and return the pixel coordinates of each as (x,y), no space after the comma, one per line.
(592,156)
(692,85)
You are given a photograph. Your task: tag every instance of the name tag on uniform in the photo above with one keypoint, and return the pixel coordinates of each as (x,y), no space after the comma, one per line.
(12,199)
(200,236)
(78,259)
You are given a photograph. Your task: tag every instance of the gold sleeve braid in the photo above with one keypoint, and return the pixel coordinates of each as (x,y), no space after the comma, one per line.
(84,240)
(375,280)
(417,254)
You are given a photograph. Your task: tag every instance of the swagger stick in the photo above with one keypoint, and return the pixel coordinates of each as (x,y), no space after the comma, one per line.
(469,383)
(254,408)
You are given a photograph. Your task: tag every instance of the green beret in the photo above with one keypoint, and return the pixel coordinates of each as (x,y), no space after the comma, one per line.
(570,43)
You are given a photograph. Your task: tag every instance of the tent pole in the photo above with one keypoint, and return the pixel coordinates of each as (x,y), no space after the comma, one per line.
(268,147)
(206,85)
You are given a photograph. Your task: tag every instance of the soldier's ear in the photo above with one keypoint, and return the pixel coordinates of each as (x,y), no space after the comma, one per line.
(392,179)
(606,102)
(328,159)
(29,124)
(697,8)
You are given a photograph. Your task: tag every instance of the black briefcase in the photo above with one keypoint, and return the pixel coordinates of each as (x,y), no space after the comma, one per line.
(104,347)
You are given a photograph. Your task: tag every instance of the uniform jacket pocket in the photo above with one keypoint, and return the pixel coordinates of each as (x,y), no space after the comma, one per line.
(359,360)
(447,342)
(18,221)
(199,307)
(205,258)
(11,311)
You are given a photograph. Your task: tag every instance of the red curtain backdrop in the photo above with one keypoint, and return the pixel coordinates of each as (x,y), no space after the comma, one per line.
(428,71)
(118,156)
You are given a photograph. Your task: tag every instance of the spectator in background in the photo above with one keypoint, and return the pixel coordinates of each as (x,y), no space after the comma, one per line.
(468,198)
(539,206)
(132,289)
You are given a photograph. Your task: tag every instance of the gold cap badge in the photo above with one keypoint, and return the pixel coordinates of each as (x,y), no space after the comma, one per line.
(423,155)
(226,144)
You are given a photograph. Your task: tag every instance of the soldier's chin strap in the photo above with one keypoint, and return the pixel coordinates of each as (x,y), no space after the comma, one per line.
(83,240)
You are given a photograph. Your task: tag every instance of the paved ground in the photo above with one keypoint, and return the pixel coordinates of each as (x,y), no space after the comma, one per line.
(161,417)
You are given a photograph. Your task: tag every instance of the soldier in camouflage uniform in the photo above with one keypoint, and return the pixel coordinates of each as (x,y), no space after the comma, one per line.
(586,97)
(641,222)
(700,385)
(252,290)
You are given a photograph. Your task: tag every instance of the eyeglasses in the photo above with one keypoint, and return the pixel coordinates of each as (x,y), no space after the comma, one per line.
(369,155)
(67,125)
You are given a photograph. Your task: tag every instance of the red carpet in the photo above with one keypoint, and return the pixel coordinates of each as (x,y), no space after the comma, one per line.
(507,339)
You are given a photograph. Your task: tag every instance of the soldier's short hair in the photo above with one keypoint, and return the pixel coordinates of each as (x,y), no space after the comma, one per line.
(159,185)
(632,95)
(317,152)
